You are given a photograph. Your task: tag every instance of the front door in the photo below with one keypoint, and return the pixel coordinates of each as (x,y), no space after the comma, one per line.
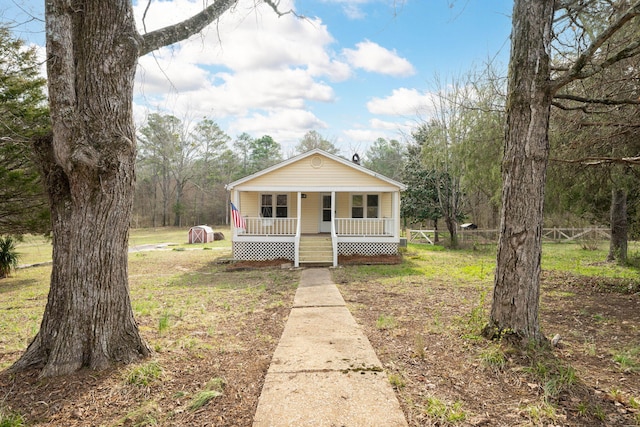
(325,213)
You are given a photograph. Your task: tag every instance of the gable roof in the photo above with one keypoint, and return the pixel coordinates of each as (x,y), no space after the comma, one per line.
(316,151)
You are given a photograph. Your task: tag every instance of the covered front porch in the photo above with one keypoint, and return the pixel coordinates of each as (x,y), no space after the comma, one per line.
(281,224)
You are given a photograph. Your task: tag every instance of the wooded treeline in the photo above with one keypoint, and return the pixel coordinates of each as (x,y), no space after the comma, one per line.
(450,162)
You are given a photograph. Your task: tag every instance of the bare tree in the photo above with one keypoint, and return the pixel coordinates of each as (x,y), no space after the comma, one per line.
(88,161)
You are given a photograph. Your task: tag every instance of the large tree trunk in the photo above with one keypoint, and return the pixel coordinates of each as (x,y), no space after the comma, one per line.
(517,279)
(88,165)
(92,52)
(619,226)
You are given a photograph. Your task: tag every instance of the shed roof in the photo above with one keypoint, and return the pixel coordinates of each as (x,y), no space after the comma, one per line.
(206,228)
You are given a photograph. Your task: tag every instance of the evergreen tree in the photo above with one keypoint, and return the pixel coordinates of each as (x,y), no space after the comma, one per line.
(23,118)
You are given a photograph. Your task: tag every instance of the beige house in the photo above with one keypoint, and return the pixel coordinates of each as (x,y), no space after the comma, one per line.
(314,207)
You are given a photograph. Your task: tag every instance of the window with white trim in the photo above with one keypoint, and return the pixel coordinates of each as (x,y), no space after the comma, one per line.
(365,206)
(274,205)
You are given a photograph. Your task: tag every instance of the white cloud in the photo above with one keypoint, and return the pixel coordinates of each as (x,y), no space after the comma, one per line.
(384,125)
(372,57)
(252,37)
(250,68)
(351,8)
(286,126)
(403,102)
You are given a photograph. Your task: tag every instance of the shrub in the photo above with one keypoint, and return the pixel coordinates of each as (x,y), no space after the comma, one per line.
(8,256)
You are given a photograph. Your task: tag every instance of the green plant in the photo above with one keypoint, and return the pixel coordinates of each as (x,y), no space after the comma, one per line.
(215,384)
(582,409)
(145,374)
(386,322)
(617,395)
(456,413)
(627,360)
(212,389)
(435,408)
(443,412)
(540,412)
(554,376)
(163,323)
(494,358)
(10,419)
(599,318)
(561,379)
(202,398)
(144,416)
(8,256)
(397,381)
(599,413)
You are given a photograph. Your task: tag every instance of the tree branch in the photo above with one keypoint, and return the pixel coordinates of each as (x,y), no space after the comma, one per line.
(576,71)
(595,161)
(610,124)
(274,6)
(596,100)
(185,29)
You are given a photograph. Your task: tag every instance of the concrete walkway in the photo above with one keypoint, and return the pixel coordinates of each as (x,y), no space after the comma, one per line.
(324,371)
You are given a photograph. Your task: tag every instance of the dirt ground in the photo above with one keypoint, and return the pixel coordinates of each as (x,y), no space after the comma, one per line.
(592,316)
(105,398)
(427,348)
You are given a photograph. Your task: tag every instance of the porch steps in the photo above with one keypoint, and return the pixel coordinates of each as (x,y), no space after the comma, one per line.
(316,250)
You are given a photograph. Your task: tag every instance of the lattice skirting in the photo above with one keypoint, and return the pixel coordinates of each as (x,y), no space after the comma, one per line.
(261,251)
(369,248)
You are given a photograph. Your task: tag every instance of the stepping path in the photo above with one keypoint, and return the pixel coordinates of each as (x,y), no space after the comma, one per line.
(324,371)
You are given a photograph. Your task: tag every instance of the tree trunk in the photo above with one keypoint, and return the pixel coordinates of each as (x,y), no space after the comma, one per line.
(619,226)
(453,232)
(88,164)
(517,279)
(179,208)
(436,237)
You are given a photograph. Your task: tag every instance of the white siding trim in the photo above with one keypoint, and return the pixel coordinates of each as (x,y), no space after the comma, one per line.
(320,189)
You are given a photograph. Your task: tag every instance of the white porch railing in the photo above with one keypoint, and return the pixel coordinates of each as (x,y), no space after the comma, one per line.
(364,226)
(341,227)
(270,226)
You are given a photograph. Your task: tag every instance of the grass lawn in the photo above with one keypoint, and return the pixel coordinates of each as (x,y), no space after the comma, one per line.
(37,249)
(214,330)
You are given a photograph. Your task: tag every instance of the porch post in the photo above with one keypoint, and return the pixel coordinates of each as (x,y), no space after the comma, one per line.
(296,244)
(396,214)
(334,236)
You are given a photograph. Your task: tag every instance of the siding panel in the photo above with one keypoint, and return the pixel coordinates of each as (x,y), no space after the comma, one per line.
(306,172)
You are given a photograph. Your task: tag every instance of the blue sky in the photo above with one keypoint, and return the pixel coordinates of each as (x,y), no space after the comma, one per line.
(354,70)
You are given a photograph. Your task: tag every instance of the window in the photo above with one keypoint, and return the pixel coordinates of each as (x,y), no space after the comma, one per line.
(372,206)
(268,208)
(364,206)
(357,206)
(281,206)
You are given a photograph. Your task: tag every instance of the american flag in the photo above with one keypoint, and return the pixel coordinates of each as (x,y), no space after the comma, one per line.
(238,220)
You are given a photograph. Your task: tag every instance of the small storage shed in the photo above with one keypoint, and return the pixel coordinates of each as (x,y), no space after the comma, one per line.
(201,234)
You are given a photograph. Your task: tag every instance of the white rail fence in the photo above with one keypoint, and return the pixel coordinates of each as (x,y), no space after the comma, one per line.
(491,235)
